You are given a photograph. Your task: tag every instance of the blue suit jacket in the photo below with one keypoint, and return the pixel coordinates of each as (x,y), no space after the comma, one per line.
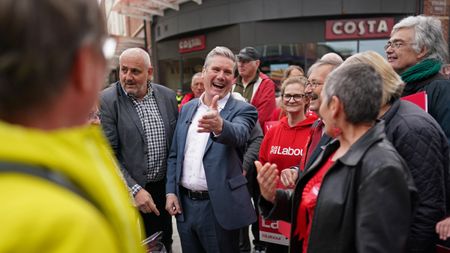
(222,161)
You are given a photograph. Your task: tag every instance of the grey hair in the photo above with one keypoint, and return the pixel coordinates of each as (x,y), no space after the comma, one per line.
(220,51)
(198,74)
(134,51)
(349,83)
(428,34)
(319,63)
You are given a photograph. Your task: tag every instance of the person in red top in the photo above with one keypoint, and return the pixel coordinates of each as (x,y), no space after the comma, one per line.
(283,144)
(358,196)
(256,87)
(197,88)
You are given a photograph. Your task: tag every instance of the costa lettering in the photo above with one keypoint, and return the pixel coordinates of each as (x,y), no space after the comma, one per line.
(192,44)
(358,28)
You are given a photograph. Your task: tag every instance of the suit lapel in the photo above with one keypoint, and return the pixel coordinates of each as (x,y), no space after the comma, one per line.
(224,113)
(187,121)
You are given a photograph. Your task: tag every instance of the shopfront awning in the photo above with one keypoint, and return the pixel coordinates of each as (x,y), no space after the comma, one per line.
(145,9)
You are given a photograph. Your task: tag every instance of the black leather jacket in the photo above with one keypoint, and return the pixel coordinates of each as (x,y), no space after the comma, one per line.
(365,203)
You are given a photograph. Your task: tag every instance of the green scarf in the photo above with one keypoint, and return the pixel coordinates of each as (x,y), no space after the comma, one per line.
(421,70)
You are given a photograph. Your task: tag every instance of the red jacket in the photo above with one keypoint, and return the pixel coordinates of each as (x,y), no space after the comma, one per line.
(188,97)
(284,145)
(264,99)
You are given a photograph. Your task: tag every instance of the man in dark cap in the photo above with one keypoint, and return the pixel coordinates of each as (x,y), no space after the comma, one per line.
(257,88)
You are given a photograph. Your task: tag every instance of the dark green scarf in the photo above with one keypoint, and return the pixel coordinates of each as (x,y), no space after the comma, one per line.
(421,70)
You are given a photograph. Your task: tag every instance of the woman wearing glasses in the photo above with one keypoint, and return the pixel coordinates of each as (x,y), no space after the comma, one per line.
(283,144)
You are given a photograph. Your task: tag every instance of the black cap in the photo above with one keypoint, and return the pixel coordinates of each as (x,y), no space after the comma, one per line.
(248,54)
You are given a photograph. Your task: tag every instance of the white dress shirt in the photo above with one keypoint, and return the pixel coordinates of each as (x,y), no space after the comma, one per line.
(193,176)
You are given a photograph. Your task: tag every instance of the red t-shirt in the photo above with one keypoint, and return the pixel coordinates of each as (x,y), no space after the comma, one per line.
(308,203)
(283,145)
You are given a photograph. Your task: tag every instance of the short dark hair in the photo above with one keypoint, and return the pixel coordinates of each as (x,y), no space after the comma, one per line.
(349,83)
(39,42)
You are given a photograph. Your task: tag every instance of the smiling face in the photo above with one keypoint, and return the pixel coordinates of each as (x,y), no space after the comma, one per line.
(404,56)
(218,77)
(316,80)
(134,74)
(293,98)
(326,113)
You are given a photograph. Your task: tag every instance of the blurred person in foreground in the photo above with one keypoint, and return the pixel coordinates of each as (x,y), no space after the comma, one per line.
(206,188)
(61,191)
(419,139)
(283,144)
(358,195)
(417,50)
(197,88)
(139,118)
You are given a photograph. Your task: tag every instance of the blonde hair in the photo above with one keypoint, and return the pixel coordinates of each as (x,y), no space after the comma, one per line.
(294,80)
(392,82)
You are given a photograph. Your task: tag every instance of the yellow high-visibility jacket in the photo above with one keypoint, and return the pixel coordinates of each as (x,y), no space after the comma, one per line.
(37,215)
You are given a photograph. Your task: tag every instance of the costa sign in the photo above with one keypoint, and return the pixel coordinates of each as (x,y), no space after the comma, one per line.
(368,28)
(192,44)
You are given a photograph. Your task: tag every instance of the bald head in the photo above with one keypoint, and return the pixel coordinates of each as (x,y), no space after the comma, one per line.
(136,52)
(332,57)
(135,72)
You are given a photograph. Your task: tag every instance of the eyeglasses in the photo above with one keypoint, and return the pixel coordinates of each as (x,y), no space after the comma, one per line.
(313,84)
(296,97)
(396,44)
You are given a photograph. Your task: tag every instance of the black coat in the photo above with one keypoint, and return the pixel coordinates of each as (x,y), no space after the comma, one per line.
(438,92)
(365,202)
(422,144)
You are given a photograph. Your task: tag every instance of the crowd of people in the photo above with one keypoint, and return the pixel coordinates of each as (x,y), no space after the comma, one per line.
(342,156)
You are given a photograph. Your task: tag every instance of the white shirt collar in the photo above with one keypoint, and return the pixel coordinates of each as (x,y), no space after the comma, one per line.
(221,103)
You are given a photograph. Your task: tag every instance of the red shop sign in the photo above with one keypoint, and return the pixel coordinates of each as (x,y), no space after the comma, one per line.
(367,28)
(192,44)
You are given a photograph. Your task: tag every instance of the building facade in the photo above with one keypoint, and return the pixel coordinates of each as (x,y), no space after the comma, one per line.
(284,31)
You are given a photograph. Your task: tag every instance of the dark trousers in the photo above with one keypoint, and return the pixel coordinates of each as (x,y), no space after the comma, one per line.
(200,232)
(244,240)
(163,222)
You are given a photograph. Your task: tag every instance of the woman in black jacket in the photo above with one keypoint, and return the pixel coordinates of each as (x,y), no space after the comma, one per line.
(358,195)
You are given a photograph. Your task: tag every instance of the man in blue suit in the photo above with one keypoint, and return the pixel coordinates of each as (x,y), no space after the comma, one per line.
(206,188)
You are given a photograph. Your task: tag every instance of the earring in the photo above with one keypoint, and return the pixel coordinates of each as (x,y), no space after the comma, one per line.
(336,131)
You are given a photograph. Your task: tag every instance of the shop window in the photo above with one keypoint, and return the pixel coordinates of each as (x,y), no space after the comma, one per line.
(374,45)
(344,48)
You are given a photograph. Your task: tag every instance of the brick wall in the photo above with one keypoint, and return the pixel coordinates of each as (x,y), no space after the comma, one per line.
(441,10)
